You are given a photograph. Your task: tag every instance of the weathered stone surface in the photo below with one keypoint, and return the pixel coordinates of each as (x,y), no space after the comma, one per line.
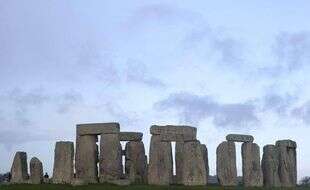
(78,182)
(174,133)
(86,158)
(121,182)
(130,136)
(36,171)
(110,158)
(251,168)
(239,138)
(19,170)
(63,163)
(160,162)
(205,158)
(194,169)
(135,162)
(226,164)
(179,147)
(287,162)
(270,166)
(97,128)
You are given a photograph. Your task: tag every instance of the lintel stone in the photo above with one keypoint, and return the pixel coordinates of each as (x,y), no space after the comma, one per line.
(130,136)
(174,132)
(239,138)
(97,128)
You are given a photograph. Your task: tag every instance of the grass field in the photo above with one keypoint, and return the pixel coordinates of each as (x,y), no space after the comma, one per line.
(113,187)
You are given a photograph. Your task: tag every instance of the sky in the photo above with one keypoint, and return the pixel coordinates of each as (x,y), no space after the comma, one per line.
(221,66)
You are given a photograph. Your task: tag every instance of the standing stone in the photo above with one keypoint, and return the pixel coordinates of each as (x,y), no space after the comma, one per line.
(160,162)
(135,163)
(19,170)
(205,158)
(63,163)
(270,166)
(251,168)
(36,171)
(179,146)
(86,158)
(194,169)
(287,162)
(110,158)
(226,164)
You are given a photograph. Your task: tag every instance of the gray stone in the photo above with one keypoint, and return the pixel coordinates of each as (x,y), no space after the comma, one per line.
(19,170)
(179,147)
(226,164)
(135,162)
(251,168)
(86,158)
(63,163)
(205,158)
(270,166)
(78,182)
(130,136)
(110,158)
(287,162)
(121,182)
(36,171)
(97,128)
(174,132)
(239,138)
(194,169)
(160,162)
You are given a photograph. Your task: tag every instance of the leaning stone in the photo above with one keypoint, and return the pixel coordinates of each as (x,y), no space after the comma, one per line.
(179,154)
(160,162)
(97,128)
(86,158)
(287,163)
(135,162)
(194,169)
(226,164)
(130,136)
(270,166)
(63,163)
(174,133)
(205,158)
(110,158)
(251,168)
(239,138)
(36,171)
(19,170)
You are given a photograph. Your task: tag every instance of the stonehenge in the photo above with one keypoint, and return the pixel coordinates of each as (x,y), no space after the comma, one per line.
(100,157)
(19,170)
(36,171)
(190,163)
(63,163)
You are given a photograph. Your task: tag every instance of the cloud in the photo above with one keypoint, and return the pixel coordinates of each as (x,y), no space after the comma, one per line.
(278,103)
(137,72)
(193,108)
(302,112)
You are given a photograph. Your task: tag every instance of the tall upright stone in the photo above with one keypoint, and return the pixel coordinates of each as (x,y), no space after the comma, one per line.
(110,163)
(194,169)
(179,146)
(287,162)
(270,166)
(135,162)
(19,170)
(36,171)
(86,158)
(226,164)
(251,168)
(205,158)
(63,162)
(160,162)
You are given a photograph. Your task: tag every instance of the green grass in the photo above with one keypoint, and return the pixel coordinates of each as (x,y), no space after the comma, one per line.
(132,187)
